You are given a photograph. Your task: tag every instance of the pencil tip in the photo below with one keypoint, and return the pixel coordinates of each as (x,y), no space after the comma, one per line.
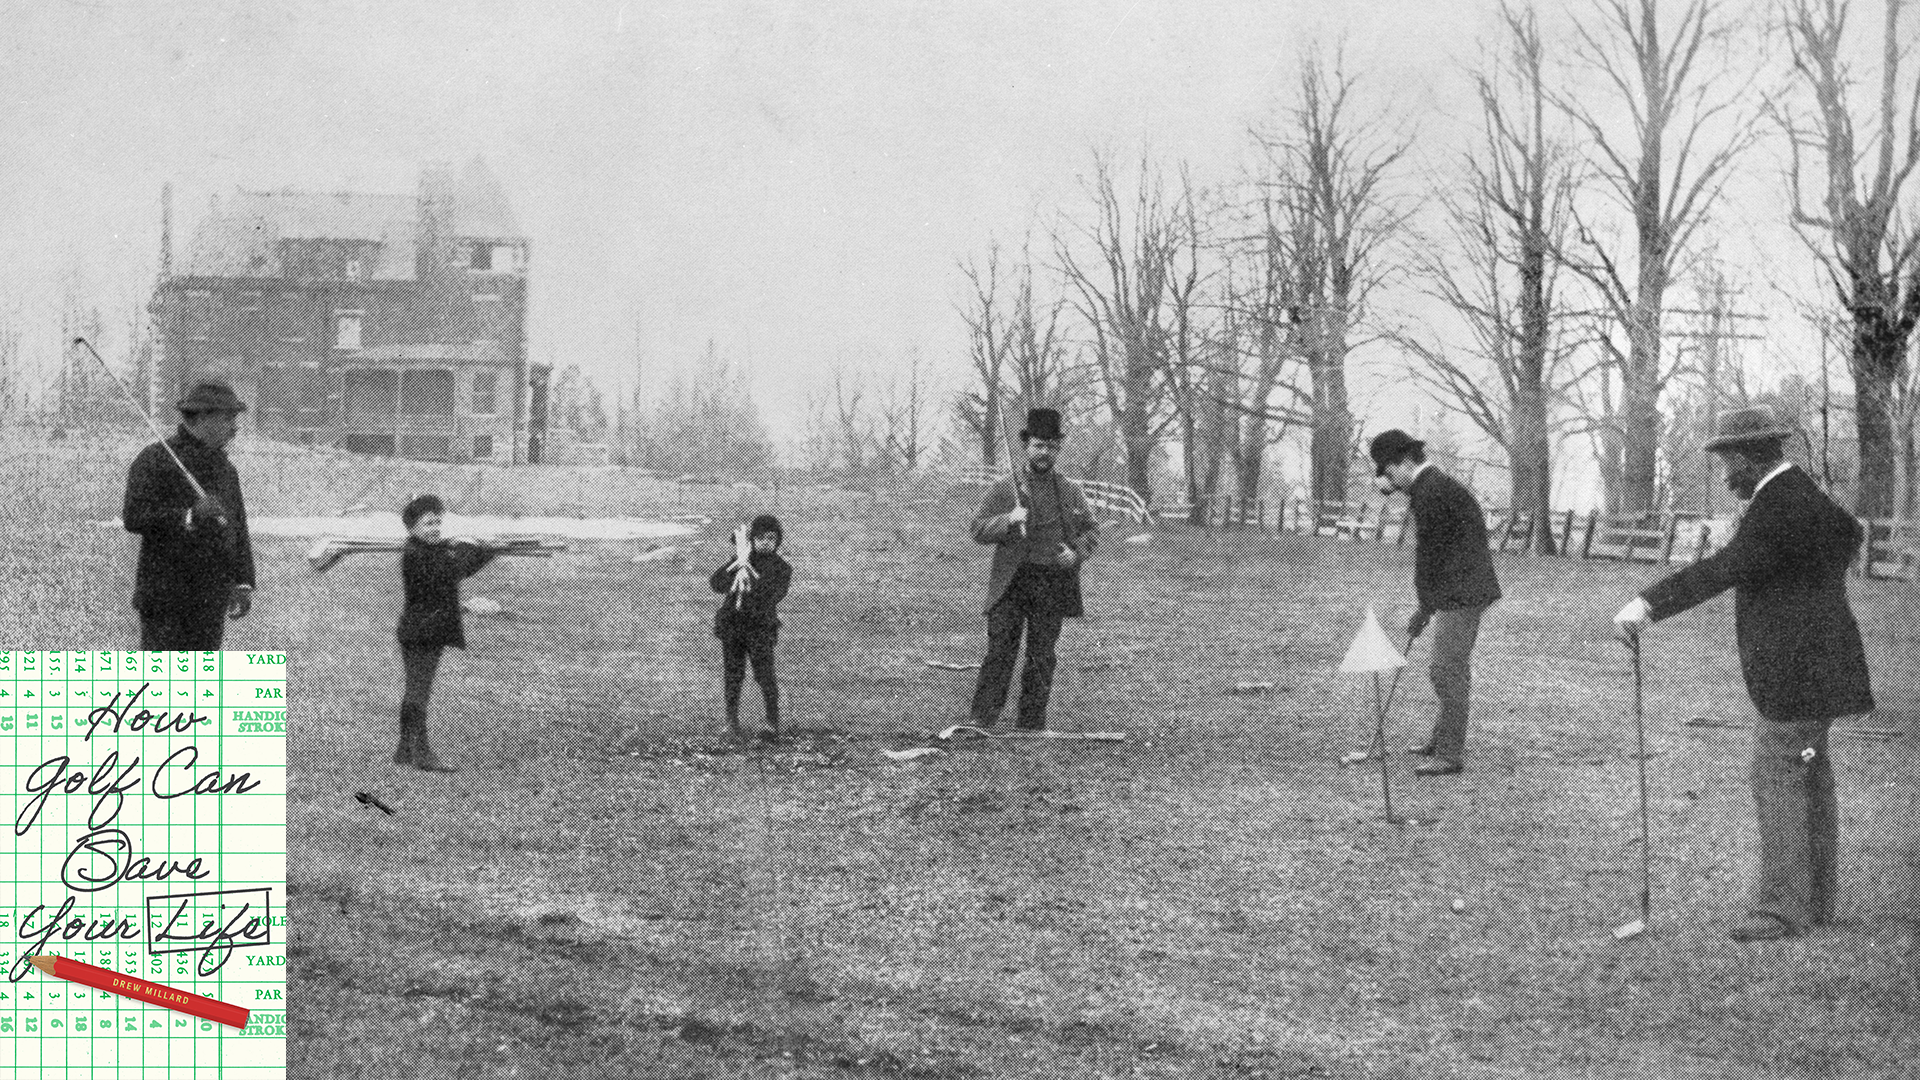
(44,963)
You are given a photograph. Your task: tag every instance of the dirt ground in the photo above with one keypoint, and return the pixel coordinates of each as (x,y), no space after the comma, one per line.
(609,887)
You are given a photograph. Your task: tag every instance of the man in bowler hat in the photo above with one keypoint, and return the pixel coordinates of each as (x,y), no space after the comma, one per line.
(1453,581)
(196,559)
(1800,653)
(1042,530)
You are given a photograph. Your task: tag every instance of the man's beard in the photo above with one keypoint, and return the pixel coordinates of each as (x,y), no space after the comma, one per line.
(1040,464)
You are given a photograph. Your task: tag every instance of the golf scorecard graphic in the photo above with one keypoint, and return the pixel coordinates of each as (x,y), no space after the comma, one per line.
(143,907)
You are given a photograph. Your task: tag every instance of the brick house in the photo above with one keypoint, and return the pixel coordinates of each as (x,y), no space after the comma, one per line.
(381,324)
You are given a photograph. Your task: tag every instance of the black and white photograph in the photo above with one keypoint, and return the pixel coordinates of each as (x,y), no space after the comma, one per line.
(1227,539)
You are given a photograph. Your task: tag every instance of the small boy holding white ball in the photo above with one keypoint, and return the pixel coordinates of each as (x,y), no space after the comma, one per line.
(753,582)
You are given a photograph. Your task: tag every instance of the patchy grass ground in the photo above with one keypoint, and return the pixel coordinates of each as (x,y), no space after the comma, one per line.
(608,888)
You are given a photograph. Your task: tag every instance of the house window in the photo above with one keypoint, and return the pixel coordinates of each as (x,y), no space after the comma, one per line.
(346,330)
(364,443)
(425,447)
(275,391)
(481,257)
(486,386)
(199,314)
(249,303)
(482,447)
(504,258)
(426,392)
(371,396)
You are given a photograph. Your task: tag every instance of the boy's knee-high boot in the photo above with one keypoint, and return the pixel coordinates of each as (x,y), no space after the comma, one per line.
(423,755)
(408,735)
(733,708)
(770,693)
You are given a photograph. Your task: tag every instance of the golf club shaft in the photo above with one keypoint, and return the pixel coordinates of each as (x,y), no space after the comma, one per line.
(1393,686)
(134,403)
(1380,739)
(1640,732)
(1013,466)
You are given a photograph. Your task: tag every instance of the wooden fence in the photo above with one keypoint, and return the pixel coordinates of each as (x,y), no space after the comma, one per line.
(1889,551)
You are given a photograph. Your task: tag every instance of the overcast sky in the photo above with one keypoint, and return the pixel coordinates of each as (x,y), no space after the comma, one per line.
(794,181)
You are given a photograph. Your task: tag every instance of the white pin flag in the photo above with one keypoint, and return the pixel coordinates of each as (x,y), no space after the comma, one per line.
(1371,650)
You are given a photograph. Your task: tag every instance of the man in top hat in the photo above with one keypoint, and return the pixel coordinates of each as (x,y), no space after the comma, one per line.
(1453,581)
(1800,653)
(196,559)
(1042,530)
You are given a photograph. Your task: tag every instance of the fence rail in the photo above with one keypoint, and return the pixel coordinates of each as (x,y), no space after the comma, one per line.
(1890,549)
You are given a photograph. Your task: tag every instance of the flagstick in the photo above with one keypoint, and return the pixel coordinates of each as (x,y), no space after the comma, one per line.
(1380,740)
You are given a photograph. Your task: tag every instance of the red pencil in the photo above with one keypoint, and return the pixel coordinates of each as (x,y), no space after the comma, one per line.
(139,989)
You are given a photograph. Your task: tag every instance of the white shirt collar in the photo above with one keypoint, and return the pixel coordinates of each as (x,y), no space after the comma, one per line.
(1424,466)
(1776,471)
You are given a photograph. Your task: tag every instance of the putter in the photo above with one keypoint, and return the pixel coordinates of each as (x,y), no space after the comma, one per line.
(1639,926)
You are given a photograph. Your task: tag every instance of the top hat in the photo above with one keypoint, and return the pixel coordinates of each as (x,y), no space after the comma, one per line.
(1389,447)
(212,396)
(1743,427)
(1042,424)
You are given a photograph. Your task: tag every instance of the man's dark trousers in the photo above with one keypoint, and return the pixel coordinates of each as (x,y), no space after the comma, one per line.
(184,631)
(1031,603)
(1799,822)
(1451,670)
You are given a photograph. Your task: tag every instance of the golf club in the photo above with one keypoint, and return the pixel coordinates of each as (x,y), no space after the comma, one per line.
(1379,746)
(1639,926)
(134,403)
(1014,467)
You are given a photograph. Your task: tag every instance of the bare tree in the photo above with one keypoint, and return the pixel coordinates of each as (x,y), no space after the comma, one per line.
(1260,330)
(1331,169)
(1867,247)
(1506,216)
(903,430)
(1123,299)
(853,425)
(990,339)
(1666,170)
(1195,371)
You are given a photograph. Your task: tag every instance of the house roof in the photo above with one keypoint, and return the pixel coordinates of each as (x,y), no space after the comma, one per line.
(480,207)
(241,237)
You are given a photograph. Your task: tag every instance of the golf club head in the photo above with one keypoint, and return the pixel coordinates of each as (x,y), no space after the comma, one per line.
(1628,931)
(323,554)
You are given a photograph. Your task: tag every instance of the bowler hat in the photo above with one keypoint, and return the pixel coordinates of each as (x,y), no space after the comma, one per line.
(1742,427)
(1042,424)
(1389,447)
(212,396)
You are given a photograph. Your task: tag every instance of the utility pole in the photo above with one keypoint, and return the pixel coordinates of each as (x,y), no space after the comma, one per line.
(1719,330)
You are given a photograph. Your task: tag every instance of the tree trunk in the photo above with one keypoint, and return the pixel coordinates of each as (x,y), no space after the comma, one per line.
(1332,438)
(1874,487)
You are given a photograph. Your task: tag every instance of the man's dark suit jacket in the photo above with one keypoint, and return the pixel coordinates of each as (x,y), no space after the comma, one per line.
(1786,564)
(185,573)
(1452,568)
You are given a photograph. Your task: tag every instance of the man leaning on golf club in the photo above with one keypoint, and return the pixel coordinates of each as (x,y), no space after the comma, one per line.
(1800,653)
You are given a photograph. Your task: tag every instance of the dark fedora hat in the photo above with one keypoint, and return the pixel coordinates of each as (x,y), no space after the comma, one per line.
(211,396)
(1744,427)
(1389,447)
(1042,424)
